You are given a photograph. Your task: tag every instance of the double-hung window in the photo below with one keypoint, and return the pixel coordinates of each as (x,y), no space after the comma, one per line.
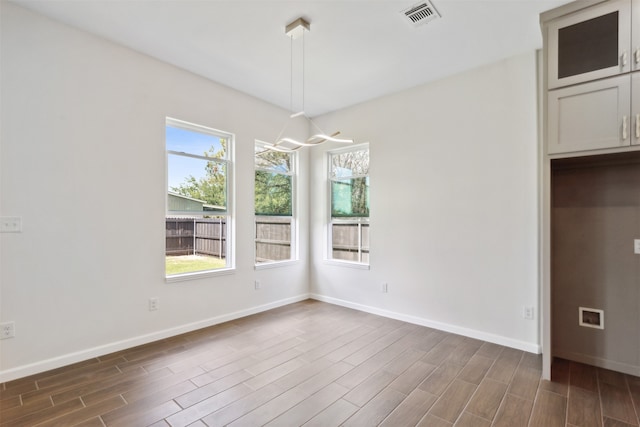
(349,196)
(274,205)
(198,220)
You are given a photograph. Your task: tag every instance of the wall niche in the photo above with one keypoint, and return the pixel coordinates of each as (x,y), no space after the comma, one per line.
(595,218)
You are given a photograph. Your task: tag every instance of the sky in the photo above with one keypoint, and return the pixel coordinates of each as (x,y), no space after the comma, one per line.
(192,142)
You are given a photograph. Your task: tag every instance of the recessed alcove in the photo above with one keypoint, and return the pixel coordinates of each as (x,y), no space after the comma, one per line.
(595,217)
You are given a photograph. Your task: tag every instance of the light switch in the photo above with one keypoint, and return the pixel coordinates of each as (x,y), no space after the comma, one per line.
(636,246)
(10,224)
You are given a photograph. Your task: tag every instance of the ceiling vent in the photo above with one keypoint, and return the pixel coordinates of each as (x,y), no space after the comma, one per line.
(421,13)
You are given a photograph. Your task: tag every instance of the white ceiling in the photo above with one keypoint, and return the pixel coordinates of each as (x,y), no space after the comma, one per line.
(356,50)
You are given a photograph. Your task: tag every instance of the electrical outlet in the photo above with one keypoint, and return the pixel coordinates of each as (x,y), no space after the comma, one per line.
(527,313)
(636,246)
(7,330)
(257,284)
(10,224)
(385,288)
(154,303)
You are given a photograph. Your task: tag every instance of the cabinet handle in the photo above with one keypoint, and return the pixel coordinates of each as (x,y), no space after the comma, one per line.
(624,128)
(637,56)
(624,59)
(638,126)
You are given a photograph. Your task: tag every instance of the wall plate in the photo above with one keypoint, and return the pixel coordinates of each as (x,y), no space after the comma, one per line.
(10,224)
(591,317)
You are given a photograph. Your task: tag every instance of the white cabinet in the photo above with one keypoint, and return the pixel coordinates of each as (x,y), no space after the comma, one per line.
(590,116)
(590,44)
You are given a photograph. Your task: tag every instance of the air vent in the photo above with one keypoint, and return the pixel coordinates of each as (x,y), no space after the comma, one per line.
(421,13)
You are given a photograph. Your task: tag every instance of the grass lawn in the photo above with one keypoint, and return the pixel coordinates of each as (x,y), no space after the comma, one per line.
(191,263)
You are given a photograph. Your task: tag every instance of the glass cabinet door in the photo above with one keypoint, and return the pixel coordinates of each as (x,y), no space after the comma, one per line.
(590,44)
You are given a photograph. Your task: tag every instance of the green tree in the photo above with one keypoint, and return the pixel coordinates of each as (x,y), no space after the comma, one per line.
(212,188)
(350,184)
(273,184)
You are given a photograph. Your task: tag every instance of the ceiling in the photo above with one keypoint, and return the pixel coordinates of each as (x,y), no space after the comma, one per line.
(356,50)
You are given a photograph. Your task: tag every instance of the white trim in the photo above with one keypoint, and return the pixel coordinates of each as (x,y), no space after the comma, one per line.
(598,362)
(276,264)
(199,275)
(79,356)
(471,333)
(349,264)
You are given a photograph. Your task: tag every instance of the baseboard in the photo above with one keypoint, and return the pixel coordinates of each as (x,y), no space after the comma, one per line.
(598,361)
(471,333)
(79,356)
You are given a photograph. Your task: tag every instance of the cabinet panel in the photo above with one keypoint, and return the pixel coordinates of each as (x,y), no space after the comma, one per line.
(635,108)
(590,116)
(635,40)
(590,44)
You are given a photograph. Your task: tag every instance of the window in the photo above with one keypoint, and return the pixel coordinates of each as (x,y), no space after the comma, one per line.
(274,205)
(349,195)
(198,220)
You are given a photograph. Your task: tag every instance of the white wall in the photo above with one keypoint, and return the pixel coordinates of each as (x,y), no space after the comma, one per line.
(83,163)
(453,205)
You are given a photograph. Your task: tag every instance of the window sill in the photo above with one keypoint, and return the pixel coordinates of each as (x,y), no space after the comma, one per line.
(348,264)
(199,275)
(275,264)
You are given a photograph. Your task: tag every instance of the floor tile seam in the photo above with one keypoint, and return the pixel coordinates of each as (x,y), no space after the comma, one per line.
(444,392)
(386,386)
(342,345)
(635,408)
(555,392)
(201,402)
(539,391)
(506,392)
(378,393)
(225,406)
(213,382)
(353,352)
(341,396)
(196,355)
(434,416)
(275,367)
(599,390)
(617,419)
(175,398)
(84,380)
(47,419)
(405,369)
(398,405)
(379,350)
(353,367)
(299,353)
(566,411)
(269,401)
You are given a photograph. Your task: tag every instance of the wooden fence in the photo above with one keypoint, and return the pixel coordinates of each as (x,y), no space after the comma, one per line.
(345,239)
(273,238)
(196,236)
(208,236)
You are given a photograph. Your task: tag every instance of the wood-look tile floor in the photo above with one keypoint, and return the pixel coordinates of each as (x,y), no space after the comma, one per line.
(316,364)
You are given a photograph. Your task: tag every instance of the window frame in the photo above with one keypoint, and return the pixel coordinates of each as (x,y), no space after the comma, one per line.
(228,213)
(293,173)
(331,220)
